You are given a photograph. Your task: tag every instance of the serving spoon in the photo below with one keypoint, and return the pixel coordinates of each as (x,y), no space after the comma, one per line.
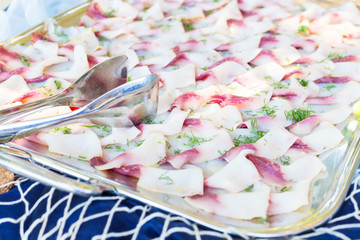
(100,79)
(136,100)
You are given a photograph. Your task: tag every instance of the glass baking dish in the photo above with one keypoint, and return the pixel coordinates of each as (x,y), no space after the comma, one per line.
(328,191)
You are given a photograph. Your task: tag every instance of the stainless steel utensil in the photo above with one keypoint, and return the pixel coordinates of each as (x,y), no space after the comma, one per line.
(100,79)
(136,100)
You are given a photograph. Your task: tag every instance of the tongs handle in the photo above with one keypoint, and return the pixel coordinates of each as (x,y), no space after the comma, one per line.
(141,92)
(47,177)
(13,131)
(9,115)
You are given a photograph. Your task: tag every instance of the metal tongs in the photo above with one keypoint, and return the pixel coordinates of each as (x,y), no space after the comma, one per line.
(101,92)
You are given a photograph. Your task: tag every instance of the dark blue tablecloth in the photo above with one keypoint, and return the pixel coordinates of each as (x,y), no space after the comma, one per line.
(31,210)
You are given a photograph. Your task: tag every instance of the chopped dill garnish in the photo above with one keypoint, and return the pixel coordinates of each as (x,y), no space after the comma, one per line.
(280,85)
(285,160)
(256,134)
(222,153)
(329,86)
(92,126)
(165,27)
(298,114)
(119,148)
(64,37)
(159,122)
(101,38)
(250,113)
(168,145)
(110,12)
(147,120)
(241,140)
(168,180)
(249,188)
(188,26)
(64,130)
(267,78)
(303,30)
(177,151)
(105,129)
(194,141)
(103,41)
(262,220)
(191,111)
(255,130)
(269,111)
(24,60)
(109,146)
(60,34)
(335,55)
(46,90)
(138,143)
(58,84)
(303,82)
(285,189)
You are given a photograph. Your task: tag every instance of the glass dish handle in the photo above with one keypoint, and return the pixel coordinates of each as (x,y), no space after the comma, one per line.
(43,175)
